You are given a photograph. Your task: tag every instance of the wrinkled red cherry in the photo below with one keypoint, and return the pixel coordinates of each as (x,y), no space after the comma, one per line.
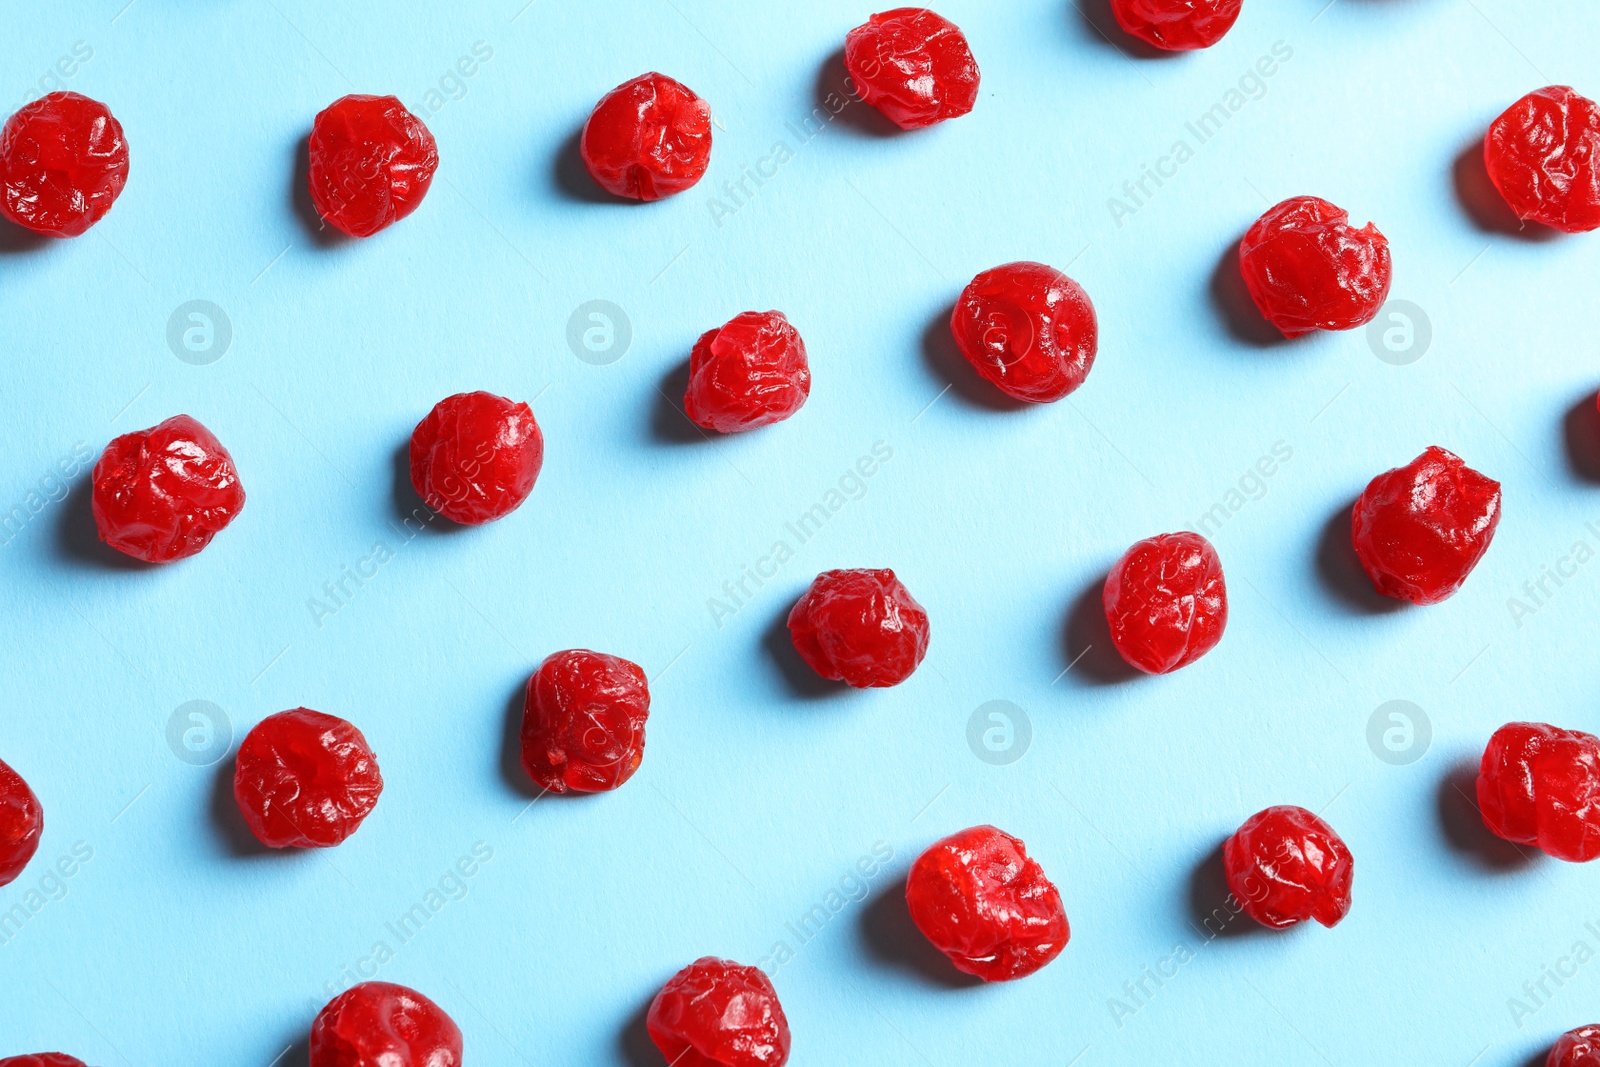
(1540,785)
(1579,1047)
(1166,602)
(648,139)
(1028,329)
(1177,25)
(1308,269)
(475,457)
(43,1059)
(1286,865)
(983,903)
(1542,155)
(717,1013)
(63,163)
(305,780)
(1420,529)
(860,627)
(21,824)
(751,372)
(378,1024)
(583,722)
(162,494)
(914,66)
(372,162)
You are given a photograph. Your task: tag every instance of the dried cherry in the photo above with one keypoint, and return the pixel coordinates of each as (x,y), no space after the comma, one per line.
(475,457)
(914,66)
(63,163)
(42,1059)
(648,139)
(1540,785)
(372,162)
(861,627)
(1543,154)
(379,1024)
(717,1013)
(305,780)
(162,494)
(980,900)
(1166,602)
(1028,329)
(21,824)
(583,722)
(1578,1047)
(1308,269)
(1177,25)
(1419,530)
(751,372)
(1286,865)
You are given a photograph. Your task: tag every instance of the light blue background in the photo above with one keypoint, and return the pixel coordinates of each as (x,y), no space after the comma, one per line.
(757,796)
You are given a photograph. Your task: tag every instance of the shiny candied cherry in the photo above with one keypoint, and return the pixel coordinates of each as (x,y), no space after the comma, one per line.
(1419,530)
(1543,154)
(21,824)
(914,66)
(372,162)
(717,1013)
(1286,865)
(1578,1047)
(583,721)
(42,1059)
(1028,329)
(983,903)
(475,457)
(1166,602)
(1308,269)
(1540,785)
(1177,25)
(305,780)
(162,494)
(379,1024)
(648,139)
(63,163)
(861,627)
(751,372)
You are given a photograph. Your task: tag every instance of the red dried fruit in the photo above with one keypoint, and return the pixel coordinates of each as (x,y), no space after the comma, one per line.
(1308,269)
(1578,1047)
(21,824)
(372,162)
(379,1024)
(475,457)
(751,372)
(914,66)
(1540,785)
(1420,529)
(63,163)
(305,780)
(1166,602)
(1028,329)
(717,1013)
(1541,155)
(43,1059)
(1286,865)
(648,139)
(860,627)
(982,902)
(162,494)
(583,721)
(1177,25)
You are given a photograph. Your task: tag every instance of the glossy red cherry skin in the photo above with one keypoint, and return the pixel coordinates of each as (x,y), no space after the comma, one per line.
(21,824)
(305,780)
(1166,602)
(1286,865)
(914,66)
(372,162)
(1308,269)
(1543,154)
(1028,329)
(378,1024)
(1540,785)
(63,163)
(475,457)
(162,494)
(1177,25)
(648,139)
(980,900)
(861,627)
(717,1013)
(583,722)
(1419,530)
(749,373)
(42,1059)
(1578,1047)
